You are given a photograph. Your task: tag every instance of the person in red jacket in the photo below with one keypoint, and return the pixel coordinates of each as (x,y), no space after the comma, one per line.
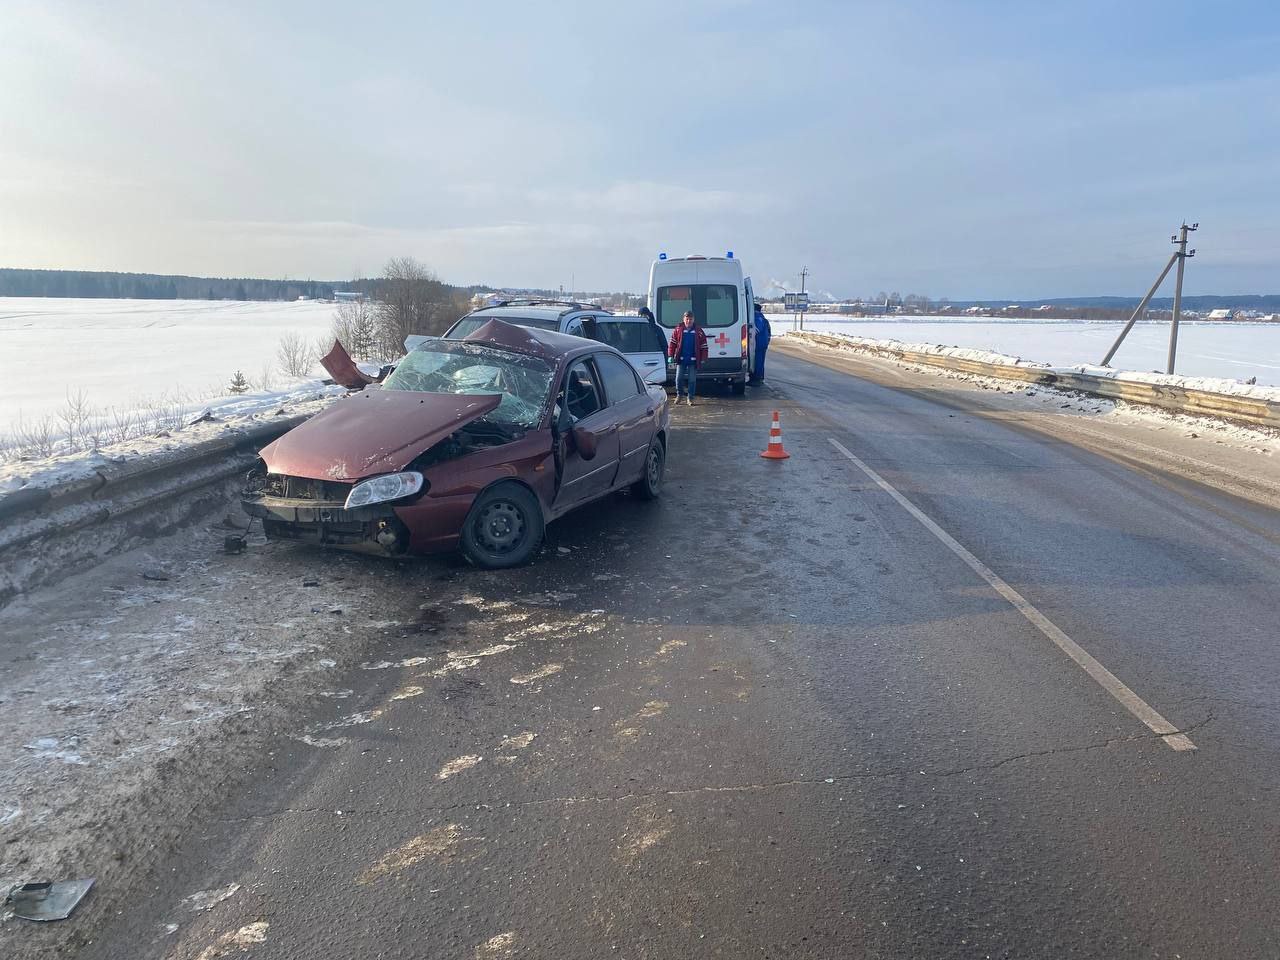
(688,348)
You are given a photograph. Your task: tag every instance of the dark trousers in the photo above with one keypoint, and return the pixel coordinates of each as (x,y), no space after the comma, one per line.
(758,373)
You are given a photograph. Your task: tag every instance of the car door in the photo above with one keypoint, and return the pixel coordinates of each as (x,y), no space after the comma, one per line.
(634,411)
(641,342)
(583,396)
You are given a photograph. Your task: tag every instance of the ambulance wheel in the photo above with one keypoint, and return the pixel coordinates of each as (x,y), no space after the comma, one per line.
(649,486)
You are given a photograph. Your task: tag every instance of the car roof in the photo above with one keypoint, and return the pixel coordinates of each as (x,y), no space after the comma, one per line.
(537,308)
(547,344)
(625,318)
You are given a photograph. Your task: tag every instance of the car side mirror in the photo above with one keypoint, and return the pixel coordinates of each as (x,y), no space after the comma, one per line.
(585,442)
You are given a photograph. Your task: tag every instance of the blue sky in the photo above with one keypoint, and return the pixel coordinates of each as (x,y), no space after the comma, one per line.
(966,150)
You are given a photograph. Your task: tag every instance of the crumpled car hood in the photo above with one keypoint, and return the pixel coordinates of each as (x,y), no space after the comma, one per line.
(373,432)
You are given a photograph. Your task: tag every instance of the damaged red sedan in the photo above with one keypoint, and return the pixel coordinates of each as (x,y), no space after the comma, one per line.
(475,443)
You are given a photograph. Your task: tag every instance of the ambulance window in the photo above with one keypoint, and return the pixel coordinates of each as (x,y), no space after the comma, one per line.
(620,380)
(713,304)
(672,304)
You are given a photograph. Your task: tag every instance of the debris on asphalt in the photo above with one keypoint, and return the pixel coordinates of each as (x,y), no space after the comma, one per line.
(208,899)
(153,573)
(563,550)
(311,583)
(233,544)
(45,900)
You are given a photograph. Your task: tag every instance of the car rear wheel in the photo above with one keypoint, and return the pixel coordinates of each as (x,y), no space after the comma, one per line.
(650,483)
(504,527)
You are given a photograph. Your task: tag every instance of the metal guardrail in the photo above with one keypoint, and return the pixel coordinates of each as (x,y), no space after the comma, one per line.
(1203,403)
(49,532)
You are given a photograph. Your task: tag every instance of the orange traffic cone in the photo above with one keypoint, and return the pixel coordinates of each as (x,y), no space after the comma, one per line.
(775,451)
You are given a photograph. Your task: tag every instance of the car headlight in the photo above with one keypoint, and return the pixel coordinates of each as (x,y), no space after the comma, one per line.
(381,489)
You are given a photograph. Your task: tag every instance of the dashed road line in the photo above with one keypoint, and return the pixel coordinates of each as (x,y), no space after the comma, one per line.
(1104,677)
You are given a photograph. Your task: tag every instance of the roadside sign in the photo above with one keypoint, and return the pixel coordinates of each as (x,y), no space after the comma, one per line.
(795,302)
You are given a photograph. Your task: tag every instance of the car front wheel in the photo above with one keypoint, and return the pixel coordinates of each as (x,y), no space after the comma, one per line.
(650,483)
(504,527)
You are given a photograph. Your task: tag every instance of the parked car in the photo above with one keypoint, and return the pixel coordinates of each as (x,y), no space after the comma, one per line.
(555,315)
(638,339)
(475,443)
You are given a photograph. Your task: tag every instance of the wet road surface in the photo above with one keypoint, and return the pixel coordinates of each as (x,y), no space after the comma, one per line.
(775,714)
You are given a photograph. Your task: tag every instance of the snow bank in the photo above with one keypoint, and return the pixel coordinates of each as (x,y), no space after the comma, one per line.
(1220,385)
(180,425)
(1220,350)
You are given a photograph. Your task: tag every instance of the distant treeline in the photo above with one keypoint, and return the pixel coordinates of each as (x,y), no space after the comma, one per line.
(151,286)
(1265,302)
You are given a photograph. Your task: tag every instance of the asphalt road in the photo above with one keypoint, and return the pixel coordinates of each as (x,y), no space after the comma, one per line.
(775,714)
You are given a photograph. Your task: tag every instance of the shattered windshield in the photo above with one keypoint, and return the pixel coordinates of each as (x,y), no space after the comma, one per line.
(456,367)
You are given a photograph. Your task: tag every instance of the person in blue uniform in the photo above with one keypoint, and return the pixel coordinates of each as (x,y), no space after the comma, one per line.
(763,334)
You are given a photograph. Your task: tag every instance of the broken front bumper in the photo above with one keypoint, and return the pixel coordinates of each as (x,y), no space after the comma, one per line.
(329,523)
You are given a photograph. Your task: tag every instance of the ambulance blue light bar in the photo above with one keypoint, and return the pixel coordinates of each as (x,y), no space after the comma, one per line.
(662,256)
(730,257)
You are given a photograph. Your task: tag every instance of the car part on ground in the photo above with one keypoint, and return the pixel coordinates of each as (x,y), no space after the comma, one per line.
(44,900)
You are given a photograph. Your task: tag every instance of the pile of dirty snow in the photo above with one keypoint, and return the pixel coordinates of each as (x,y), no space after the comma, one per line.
(77,454)
(1221,385)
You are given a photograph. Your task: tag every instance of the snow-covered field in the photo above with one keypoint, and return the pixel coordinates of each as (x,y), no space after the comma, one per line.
(127,354)
(1235,351)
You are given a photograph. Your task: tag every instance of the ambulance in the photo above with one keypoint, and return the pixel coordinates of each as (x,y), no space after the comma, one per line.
(720,297)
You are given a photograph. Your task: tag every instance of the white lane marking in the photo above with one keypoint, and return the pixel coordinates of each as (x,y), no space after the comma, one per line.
(1104,677)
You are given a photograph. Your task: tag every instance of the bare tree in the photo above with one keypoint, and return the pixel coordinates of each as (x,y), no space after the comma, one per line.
(411,300)
(35,440)
(75,415)
(266,378)
(355,325)
(124,425)
(294,355)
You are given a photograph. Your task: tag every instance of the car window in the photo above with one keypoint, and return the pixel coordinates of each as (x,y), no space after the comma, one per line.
(627,336)
(620,380)
(581,391)
(446,366)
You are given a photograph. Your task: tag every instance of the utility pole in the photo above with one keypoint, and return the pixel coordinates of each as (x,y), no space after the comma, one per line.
(804,272)
(1182,255)
(1179,257)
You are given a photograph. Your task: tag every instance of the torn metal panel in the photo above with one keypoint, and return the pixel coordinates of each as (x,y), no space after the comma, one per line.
(44,900)
(339,365)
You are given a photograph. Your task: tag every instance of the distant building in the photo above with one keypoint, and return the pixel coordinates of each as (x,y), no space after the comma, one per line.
(975,311)
(1044,308)
(1222,313)
(350,295)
